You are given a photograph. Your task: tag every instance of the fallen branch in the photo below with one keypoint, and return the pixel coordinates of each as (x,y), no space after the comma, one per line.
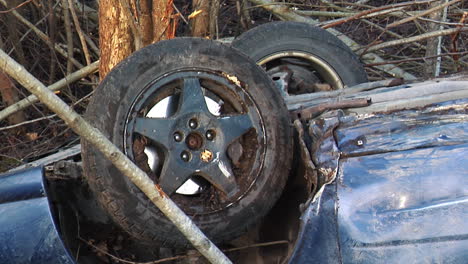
(121,162)
(93,67)
(323,13)
(415,59)
(368,12)
(415,38)
(44,117)
(28,122)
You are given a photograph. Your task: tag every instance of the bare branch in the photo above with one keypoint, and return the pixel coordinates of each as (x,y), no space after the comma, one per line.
(416,38)
(42,36)
(415,59)
(28,122)
(421,14)
(394,7)
(16,7)
(67,22)
(80,32)
(93,67)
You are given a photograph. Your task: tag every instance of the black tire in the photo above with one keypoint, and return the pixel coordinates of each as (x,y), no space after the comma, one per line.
(330,60)
(119,108)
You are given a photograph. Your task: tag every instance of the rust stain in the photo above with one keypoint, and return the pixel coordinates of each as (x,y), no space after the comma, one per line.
(206,156)
(160,191)
(232,78)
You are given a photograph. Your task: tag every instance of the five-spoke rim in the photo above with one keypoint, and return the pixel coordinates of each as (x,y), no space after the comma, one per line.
(197,143)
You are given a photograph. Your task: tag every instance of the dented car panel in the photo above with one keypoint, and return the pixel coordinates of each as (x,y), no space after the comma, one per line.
(28,233)
(387,181)
(400,194)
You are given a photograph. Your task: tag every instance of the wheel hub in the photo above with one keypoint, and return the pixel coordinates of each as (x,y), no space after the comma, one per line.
(195,141)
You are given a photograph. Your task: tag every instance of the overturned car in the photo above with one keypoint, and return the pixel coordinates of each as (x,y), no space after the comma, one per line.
(301,161)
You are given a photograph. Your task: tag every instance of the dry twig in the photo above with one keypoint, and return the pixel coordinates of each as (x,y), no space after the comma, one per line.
(93,67)
(42,36)
(265,244)
(393,8)
(68,31)
(416,38)
(16,7)
(429,11)
(80,32)
(416,59)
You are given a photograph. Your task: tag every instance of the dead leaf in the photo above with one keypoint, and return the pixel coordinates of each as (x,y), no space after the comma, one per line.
(32,136)
(195,14)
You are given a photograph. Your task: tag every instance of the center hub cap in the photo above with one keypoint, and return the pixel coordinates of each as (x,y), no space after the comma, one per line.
(194,141)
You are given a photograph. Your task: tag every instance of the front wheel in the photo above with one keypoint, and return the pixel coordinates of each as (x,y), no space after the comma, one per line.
(206,124)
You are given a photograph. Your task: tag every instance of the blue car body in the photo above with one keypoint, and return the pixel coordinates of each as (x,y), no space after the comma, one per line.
(28,230)
(395,191)
(399,192)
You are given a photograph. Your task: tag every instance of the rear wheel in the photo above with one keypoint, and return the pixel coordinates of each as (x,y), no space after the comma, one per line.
(206,124)
(301,58)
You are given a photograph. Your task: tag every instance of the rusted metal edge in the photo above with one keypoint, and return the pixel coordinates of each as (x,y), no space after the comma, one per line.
(293,102)
(60,155)
(310,174)
(313,111)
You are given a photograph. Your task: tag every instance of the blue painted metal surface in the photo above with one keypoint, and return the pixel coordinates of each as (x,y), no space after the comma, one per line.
(28,233)
(400,194)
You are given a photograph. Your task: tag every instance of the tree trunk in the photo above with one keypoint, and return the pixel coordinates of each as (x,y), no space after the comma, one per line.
(201,23)
(9,97)
(122,23)
(146,22)
(13,32)
(206,23)
(164,25)
(115,35)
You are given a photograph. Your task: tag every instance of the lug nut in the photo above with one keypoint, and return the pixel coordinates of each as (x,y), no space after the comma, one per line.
(193,123)
(178,136)
(210,134)
(185,156)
